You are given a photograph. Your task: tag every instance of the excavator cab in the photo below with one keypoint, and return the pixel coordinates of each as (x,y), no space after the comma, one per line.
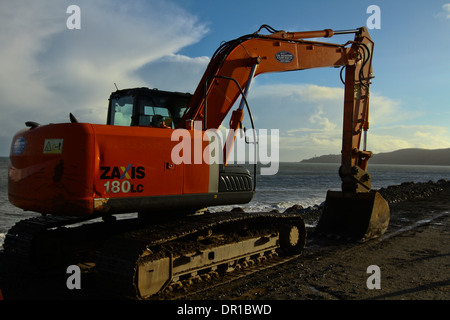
(147,107)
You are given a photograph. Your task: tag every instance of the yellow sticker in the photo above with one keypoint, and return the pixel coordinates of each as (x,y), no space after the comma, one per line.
(53,146)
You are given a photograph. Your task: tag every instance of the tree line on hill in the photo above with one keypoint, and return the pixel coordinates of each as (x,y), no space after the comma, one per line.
(412,156)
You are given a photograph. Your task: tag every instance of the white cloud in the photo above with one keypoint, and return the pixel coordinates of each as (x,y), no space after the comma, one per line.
(445,13)
(322,121)
(49,70)
(308,116)
(174,72)
(394,137)
(310,121)
(314,92)
(383,110)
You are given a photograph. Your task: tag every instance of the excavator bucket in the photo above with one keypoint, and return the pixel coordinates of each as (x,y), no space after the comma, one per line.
(355,216)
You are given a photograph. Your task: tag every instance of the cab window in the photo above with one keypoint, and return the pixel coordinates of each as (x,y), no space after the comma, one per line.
(122,111)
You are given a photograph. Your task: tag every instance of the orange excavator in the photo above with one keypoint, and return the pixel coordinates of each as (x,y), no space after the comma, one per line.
(75,172)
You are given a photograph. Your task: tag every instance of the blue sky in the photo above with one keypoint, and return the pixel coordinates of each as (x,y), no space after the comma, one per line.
(49,70)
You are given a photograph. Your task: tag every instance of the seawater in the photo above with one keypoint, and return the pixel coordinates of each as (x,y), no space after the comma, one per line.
(305,184)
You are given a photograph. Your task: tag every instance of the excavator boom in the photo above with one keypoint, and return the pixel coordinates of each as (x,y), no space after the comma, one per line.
(248,56)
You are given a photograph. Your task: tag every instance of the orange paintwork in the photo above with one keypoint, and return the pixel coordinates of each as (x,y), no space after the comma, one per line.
(98,161)
(45,182)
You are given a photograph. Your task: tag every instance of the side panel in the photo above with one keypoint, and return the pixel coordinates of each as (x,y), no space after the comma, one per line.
(138,171)
(51,169)
(135,161)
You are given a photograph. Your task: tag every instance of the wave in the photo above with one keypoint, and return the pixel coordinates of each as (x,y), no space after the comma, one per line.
(256,206)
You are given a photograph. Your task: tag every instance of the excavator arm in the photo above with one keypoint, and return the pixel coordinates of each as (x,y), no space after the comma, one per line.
(244,58)
(353,212)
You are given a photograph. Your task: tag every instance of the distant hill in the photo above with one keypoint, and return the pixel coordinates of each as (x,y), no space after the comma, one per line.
(436,157)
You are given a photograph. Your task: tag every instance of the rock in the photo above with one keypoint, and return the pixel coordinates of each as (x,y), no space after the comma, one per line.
(294,209)
(238,210)
(412,190)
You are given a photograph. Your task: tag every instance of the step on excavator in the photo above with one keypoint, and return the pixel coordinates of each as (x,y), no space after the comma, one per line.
(72,173)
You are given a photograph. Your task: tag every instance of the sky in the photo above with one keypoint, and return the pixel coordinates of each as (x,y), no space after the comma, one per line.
(50,69)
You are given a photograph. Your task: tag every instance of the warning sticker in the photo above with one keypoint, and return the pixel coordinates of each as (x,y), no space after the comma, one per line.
(53,146)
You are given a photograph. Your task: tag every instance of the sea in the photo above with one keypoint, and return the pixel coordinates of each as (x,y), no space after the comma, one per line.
(305,184)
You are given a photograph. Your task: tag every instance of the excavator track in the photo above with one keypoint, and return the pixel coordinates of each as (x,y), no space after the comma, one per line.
(243,268)
(25,241)
(154,261)
(193,252)
(48,244)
